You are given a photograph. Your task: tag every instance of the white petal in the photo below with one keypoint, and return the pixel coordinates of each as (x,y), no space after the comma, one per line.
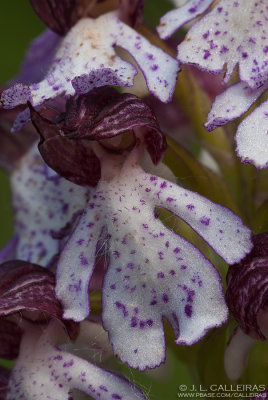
(223,230)
(87,59)
(234,32)
(42,204)
(232,103)
(174,19)
(43,371)
(252,137)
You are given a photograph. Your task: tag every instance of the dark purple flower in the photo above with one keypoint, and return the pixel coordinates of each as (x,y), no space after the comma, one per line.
(67,145)
(29,288)
(247,293)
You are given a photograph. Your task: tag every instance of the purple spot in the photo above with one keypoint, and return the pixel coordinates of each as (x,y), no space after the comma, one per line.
(172,272)
(205,221)
(134,322)
(190,206)
(154,67)
(205,36)
(165,298)
(160,275)
(116,254)
(113,286)
(163,185)
(188,310)
(130,265)
(122,307)
(176,250)
(68,364)
(206,54)
(104,388)
(149,322)
(135,351)
(116,396)
(170,199)
(153,303)
(161,255)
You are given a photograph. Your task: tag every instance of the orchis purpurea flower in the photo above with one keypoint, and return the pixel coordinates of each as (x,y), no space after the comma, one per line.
(153,273)
(86,59)
(43,370)
(232,33)
(247,298)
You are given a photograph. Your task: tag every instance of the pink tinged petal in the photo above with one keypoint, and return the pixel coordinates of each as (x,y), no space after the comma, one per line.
(43,202)
(86,59)
(234,32)
(236,354)
(43,371)
(252,137)
(77,261)
(10,337)
(223,230)
(232,103)
(175,19)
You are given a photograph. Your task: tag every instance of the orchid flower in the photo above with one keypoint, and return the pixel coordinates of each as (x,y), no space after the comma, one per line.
(232,33)
(43,370)
(86,58)
(247,299)
(152,271)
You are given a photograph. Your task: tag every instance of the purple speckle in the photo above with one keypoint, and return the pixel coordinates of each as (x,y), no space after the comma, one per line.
(68,364)
(165,298)
(190,206)
(104,388)
(116,396)
(188,310)
(160,275)
(206,54)
(113,286)
(154,67)
(205,221)
(149,322)
(134,322)
(163,185)
(122,307)
(176,250)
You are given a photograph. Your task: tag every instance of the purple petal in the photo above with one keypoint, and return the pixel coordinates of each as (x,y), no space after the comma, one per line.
(175,19)
(10,337)
(234,32)
(71,159)
(248,287)
(131,11)
(25,286)
(153,272)
(236,354)
(104,113)
(231,104)
(8,252)
(43,369)
(87,59)
(38,57)
(56,14)
(252,137)
(42,203)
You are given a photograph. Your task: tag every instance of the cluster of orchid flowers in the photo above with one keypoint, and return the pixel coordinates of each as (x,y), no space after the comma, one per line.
(88,196)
